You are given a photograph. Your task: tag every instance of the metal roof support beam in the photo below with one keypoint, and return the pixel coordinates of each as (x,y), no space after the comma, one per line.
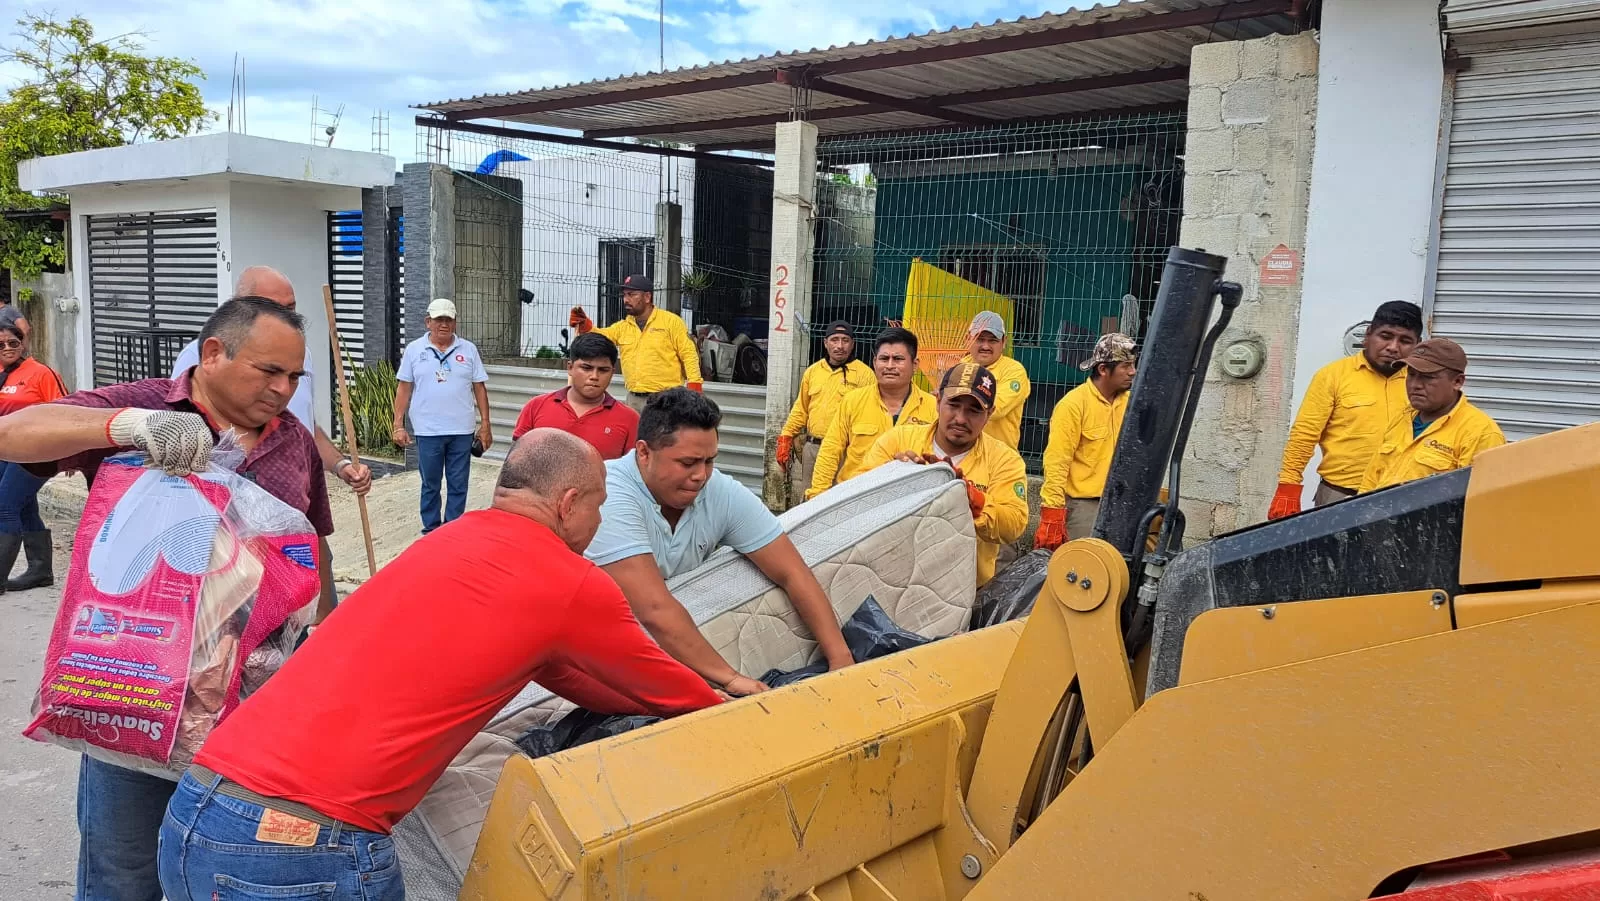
(1044,89)
(1051,37)
(906,105)
(1150,109)
(574,141)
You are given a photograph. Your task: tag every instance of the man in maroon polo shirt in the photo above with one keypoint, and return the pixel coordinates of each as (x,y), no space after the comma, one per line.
(585,407)
(251,355)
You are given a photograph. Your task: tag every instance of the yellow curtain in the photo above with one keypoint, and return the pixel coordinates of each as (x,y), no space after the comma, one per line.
(939,307)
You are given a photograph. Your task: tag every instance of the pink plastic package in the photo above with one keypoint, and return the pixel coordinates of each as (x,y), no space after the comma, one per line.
(184,595)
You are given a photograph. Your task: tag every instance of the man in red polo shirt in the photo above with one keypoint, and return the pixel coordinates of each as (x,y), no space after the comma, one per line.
(585,407)
(295,793)
(251,354)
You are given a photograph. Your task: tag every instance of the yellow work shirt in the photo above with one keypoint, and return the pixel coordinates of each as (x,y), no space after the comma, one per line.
(1011,390)
(822,387)
(657,357)
(1449,442)
(860,419)
(1084,428)
(1346,410)
(991,466)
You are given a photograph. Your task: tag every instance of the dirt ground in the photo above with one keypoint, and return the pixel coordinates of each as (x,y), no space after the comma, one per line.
(392,509)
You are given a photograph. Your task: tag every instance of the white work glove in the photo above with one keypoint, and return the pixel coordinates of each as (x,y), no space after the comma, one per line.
(178,443)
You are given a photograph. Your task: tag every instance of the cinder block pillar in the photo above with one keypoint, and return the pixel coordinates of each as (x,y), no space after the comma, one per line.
(378,314)
(794,190)
(668,276)
(1247,185)
(429,198)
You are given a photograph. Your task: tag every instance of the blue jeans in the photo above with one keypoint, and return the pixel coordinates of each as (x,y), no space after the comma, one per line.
(443,456)
(19,500)
(209,852)
(119,816)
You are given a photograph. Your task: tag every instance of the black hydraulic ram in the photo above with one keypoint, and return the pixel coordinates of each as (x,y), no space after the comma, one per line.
(1155,429)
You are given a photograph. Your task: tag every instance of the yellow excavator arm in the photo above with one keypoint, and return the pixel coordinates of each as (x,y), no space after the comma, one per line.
(1309,709)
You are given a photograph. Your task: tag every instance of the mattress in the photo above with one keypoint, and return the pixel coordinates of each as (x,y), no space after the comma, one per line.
(901,533)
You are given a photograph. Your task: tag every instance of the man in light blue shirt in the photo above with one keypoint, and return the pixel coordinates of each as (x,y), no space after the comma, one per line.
(667,509)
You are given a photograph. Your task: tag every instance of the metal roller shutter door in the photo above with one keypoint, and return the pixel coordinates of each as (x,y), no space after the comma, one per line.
(152,285)
(1519,253)
(1464,16)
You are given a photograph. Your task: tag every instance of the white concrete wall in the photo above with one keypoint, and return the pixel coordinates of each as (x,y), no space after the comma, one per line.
(287,228)
(1379,93)
(571,204)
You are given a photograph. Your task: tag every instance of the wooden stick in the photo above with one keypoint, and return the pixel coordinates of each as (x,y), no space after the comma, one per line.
(349,424)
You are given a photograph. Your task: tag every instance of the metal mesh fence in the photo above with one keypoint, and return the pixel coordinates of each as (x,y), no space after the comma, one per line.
(543,227)
(1060,227)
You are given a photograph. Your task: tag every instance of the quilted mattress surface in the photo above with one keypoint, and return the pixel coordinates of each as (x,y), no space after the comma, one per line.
(901,533)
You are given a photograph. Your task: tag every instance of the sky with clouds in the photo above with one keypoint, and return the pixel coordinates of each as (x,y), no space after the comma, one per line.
(385,55)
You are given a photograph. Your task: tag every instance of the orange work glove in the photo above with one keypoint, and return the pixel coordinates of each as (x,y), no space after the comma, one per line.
(580,321)
(975,500)
(696,387)
(1286,502)
(1052,532)
(785,447)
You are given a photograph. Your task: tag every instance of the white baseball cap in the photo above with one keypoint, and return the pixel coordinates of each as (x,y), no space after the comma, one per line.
(441,308)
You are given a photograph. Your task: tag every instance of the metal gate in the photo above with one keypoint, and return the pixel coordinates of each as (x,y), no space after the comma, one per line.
(345,281)
(1518,279)
(152,284)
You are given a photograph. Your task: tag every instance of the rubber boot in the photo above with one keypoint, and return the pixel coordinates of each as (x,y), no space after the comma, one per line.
(9,546)
(41,570)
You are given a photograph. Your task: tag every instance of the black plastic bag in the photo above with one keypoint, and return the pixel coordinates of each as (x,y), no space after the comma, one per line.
(1011,593)
(869,633)
(579,727)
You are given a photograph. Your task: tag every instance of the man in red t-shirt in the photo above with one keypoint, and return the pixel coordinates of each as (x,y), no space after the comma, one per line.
(585,407)
(314,769)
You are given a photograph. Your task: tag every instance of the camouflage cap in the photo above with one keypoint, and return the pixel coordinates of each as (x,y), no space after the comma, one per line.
(1113,348)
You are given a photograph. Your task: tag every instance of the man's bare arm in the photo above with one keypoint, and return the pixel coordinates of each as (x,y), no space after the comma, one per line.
(44,433)
(668,623)
(782,563)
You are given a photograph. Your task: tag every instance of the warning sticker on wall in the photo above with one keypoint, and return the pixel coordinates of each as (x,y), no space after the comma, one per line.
(1280,267)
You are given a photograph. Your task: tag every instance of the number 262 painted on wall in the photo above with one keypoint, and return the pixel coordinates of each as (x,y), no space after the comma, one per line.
(779,301)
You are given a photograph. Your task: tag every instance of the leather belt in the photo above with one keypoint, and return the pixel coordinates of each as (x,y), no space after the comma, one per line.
(239,793)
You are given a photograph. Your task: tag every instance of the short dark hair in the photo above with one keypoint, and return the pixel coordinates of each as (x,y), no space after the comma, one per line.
(676,408)
(592,346)
(896,335)
(1398,313)
(14,329)
(232,321)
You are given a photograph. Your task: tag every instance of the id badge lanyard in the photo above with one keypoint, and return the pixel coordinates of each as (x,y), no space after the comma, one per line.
(441,372)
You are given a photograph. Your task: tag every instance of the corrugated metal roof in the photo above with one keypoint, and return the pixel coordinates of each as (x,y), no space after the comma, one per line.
(700,116)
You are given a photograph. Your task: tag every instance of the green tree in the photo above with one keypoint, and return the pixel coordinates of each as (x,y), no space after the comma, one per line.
(81,93)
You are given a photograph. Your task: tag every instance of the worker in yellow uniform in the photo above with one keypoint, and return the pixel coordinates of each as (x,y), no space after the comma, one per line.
(986,345)
(823,385)
(657,352)
(1084,428)
(997,481)
(1347,407)
(1442,430)
(866,413)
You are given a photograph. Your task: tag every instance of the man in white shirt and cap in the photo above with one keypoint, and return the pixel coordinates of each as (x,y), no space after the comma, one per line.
(442,379)
(269,283)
